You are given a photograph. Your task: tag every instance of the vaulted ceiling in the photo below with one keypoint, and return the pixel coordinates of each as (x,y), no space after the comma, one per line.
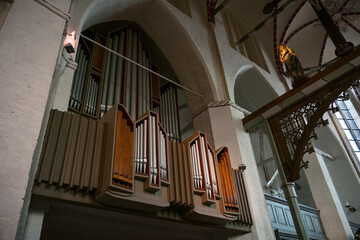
(299,27)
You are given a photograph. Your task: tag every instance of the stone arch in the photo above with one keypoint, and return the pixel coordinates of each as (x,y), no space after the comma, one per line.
(251,89)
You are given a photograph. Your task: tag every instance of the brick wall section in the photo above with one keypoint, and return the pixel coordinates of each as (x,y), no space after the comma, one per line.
(29,43)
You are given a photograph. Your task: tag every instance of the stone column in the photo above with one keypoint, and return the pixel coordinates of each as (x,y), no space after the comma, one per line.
(326,199)
(30,39)
(223,127)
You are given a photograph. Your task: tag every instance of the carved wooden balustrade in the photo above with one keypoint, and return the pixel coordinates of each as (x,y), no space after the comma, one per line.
(133,165)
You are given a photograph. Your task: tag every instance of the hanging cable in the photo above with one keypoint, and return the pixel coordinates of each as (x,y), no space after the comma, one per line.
(128,59)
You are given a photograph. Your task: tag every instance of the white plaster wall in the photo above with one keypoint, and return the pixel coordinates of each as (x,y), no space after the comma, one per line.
(233,62)
(29,44)
(341,169)
(326,199)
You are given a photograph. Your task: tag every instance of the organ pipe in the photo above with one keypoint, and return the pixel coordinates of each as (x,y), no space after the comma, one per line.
(128,71)
(134,76)
(110,94)
(119,68)
(106,79)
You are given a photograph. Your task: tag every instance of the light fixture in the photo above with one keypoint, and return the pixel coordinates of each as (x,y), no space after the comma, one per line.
(348,206)
(69,42)
(242,167)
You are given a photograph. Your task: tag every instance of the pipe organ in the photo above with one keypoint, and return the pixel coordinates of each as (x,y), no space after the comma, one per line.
(133,165)
(205,182)
(169,111)
(93,90)
(125,82)
(104,79)
(151,161)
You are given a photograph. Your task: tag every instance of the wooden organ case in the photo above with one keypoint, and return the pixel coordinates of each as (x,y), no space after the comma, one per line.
(131,165)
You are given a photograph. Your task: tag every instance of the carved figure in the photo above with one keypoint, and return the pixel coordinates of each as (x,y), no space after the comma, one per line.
(292,63)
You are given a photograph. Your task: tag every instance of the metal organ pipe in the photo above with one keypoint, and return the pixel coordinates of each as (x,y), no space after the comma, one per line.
(134,76)
(136,148)
(199,173)
(154,149)
(144,89)
(142,153)
(110,97)
(193,159)
(78,82)
(87,101)
(145,153)
(78,76)
(128,72)
(140,75)
(92,95)
(173,112)
(81,83)
(212,171)
(167,114)
(119,68)
(106,79)
(206,167)
(75,80)
(148,100)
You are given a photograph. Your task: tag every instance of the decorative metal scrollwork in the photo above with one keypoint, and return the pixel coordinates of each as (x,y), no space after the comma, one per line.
(294,124)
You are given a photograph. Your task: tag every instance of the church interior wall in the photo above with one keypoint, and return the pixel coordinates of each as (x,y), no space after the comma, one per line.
(29,44)
(340,169)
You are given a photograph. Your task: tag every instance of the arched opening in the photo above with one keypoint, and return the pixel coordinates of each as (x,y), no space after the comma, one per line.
(251,89)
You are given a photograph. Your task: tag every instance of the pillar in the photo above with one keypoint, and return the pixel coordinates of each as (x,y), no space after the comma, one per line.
(326,199)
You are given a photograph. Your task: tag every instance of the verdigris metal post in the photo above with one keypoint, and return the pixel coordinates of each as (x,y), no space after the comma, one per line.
(289,189)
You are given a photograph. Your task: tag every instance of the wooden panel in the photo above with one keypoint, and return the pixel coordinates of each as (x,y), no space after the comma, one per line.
(88,156)
(181,186)
(245,212)
(230,198)
(123,152)
(70,151)
(97,157)
(286,224)
(309,223)
(61,149)
(79,153)
(68,155)
(50,147)
(280,215)
(271,212)
(98,56)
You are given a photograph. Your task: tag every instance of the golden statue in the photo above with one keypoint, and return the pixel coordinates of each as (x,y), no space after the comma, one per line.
(292,63)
